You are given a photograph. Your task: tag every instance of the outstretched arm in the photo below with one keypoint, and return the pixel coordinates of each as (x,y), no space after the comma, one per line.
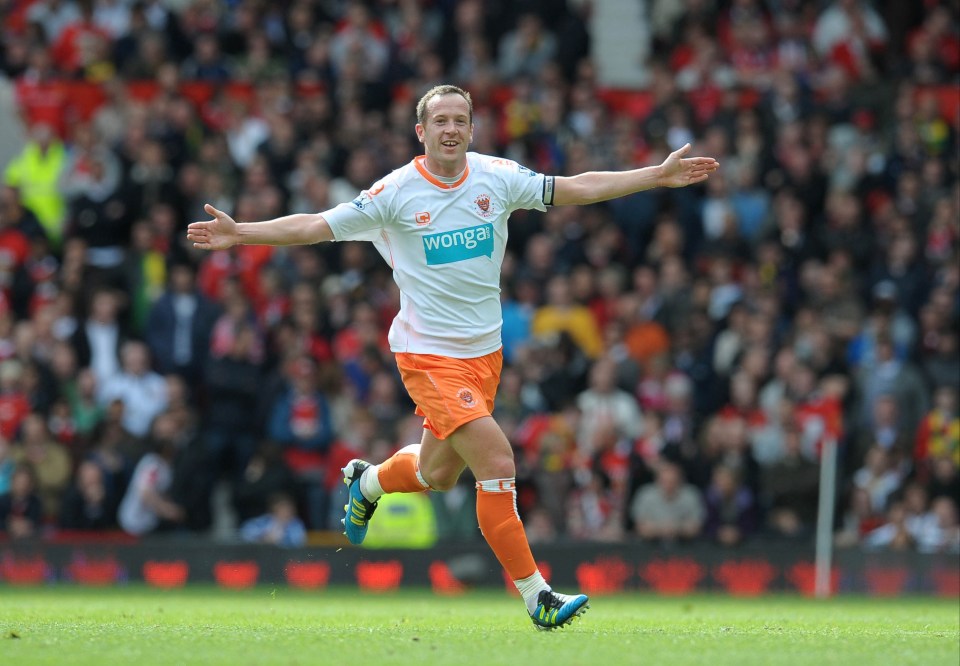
(223,232)
(594,186)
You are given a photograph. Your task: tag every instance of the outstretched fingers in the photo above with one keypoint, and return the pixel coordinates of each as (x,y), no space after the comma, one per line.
(199,233)
(698,165)
(701,161)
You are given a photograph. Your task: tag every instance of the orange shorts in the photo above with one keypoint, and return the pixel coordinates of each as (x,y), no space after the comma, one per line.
(449,391)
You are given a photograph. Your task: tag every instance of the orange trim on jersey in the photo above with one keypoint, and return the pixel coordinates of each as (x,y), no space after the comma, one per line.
(418,162)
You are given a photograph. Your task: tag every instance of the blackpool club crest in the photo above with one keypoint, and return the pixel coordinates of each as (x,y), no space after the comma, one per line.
(465,396)
(485,207)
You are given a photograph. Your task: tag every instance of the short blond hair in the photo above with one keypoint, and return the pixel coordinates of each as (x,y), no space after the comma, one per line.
(439,91)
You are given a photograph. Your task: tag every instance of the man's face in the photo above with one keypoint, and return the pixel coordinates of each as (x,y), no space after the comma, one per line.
(669,480)
(446,132)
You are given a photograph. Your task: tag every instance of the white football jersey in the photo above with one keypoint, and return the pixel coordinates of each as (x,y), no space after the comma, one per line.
(445,244)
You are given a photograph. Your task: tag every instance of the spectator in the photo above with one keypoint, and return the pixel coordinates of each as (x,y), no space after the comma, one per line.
(146,506)
(280,527)
(14,243)
(89,504)
(206,63)
(732,513)
(858,520)
(898,379)
(604,405)
(790,489)
(49,461)
(263,476)
(36,173)
(149,179)
(668,510)
(192,487)
(884,431)
(942,365)
(519,305)
(939,432)
(179,326)
(233,380)
(81,44)
(360,39)
(877,478)
(21,511)
(14,405)
(593,510)
(18,216)
(944,477)
(850,33)
(97,212)
(525,50)
(768,442)
(938,531)
(300,420)
(895,533)
(886,317)
(142,392)
(99,338)
(85,411)
(301,417)
(562,314)
(53,16)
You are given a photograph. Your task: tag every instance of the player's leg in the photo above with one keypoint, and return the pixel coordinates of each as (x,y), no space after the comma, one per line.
(430,465)
(438,386)
(487,452)
(400,473)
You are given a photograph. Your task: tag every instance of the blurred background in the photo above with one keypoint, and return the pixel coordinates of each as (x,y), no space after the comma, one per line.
(676,361)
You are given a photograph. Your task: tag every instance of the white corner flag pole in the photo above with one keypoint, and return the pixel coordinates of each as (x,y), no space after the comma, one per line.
(828,492)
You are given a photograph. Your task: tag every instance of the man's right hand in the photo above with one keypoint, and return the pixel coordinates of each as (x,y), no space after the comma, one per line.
(219,233)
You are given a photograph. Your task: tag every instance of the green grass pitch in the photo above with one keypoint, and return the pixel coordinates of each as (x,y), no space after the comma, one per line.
(138,626)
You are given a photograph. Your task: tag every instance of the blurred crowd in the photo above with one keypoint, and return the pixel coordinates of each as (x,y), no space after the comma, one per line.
(676,361)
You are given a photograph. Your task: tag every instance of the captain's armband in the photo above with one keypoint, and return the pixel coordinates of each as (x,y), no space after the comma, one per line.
(548,189)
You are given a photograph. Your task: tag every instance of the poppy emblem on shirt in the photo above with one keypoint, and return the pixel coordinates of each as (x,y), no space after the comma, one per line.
(465,396)
(484,205)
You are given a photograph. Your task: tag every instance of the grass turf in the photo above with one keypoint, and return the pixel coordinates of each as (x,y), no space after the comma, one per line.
(205,625)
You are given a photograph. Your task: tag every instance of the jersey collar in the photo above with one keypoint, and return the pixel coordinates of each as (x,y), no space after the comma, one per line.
(418,162)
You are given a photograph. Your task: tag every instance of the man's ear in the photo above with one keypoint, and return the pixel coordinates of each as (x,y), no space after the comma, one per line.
(419,130)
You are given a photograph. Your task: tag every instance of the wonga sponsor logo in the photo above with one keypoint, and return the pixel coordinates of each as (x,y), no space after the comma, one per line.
(460,245)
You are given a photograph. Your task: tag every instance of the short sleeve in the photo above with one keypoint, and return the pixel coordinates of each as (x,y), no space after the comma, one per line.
(525,188)
(364,217)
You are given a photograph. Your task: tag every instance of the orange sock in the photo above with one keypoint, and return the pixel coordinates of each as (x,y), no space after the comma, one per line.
(400,473)
(501,526)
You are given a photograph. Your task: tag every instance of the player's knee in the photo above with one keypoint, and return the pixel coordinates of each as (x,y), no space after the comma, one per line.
(501,467)
(443,484)
(440,479)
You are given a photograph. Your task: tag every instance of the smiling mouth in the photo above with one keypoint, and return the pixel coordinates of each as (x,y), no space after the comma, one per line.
(449,144)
